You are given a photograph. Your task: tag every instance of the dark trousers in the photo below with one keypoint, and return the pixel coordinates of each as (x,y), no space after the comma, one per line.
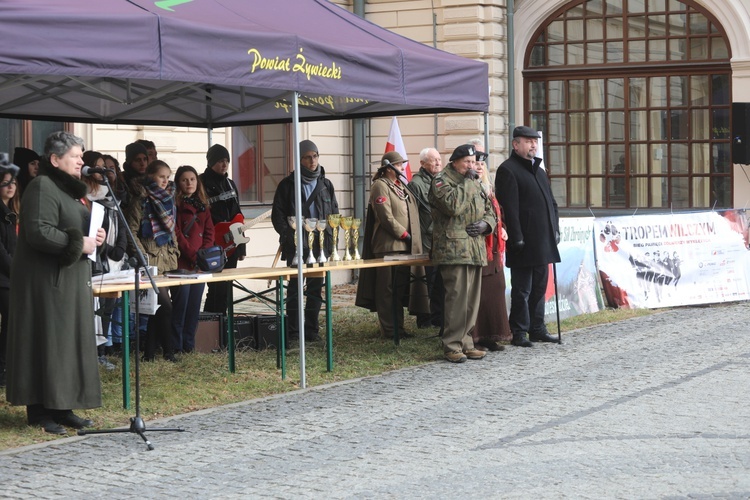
(160,327)
(528,286)
(313,302)
(186,306)
(436,291)
(216,298)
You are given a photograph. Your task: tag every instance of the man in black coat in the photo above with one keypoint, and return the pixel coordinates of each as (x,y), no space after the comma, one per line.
(225,205)
(318,201)
(531,219)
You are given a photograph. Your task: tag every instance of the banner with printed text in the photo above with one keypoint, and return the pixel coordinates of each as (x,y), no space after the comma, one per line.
(577,284)
(651,261)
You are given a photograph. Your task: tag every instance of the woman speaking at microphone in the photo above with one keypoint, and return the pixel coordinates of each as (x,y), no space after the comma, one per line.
(391,227)
(52,362)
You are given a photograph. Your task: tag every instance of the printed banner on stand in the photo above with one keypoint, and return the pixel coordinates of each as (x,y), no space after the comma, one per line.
(651,261)
(576,273)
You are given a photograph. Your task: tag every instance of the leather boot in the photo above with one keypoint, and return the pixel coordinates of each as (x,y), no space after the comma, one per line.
(521,340)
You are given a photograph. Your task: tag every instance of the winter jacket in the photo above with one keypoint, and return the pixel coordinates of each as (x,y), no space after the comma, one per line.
(458,202)
(530,211)
(284,207)
(194,230)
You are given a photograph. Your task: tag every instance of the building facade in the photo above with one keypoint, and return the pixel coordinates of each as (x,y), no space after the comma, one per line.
(633,98)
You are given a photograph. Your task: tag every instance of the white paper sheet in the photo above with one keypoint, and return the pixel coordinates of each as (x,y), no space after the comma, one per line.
(97,217)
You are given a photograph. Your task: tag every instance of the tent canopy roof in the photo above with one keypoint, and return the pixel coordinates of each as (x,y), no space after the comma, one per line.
(219,63)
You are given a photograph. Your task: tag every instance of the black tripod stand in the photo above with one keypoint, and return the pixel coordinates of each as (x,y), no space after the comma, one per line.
(137,425)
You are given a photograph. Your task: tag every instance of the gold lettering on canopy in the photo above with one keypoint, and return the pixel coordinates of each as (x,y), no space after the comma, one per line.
(326,101)
(301,65)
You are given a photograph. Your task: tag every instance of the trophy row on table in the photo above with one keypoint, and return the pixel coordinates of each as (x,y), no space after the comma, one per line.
(350,225)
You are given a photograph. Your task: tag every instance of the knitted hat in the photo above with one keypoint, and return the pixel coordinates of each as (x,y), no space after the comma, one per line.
(134,149)
(306,146)
(23,156)
(391,157)
(215,154)
(463,151)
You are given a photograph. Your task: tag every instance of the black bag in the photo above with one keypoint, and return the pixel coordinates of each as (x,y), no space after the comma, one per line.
(211,259)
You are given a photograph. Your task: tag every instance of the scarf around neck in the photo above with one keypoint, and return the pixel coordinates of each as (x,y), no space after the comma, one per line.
(309,177)
(158,213)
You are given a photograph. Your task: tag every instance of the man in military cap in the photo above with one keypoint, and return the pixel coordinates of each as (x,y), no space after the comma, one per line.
(531,219)
(462,216)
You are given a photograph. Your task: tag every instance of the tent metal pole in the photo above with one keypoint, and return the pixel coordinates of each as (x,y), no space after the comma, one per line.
(511,72)
(300,253)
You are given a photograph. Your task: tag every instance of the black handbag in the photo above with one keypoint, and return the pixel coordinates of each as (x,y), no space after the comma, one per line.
(211,259)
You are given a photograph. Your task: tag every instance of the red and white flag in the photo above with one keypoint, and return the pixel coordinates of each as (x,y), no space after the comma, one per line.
(396,143)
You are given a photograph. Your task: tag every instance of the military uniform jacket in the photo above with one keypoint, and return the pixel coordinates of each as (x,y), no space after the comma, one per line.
(420,186)
(457,202)
(388,217)
(530,212)
(392,219)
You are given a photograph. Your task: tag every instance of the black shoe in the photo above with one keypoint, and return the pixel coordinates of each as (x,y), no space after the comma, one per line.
(170,358)
(70,419)
(50,426)
(521,340)
(312,337)
(542,337)
(147,359)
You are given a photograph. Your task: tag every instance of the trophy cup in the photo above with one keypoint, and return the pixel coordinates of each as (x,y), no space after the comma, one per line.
(355,236)
(321,226)
(334,220)
(292,221)
(310,223)
(346,225)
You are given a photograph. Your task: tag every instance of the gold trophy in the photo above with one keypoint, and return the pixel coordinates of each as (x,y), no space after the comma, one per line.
(310,223)
(292,221)
(346,225)
(321,227)
(334,220)
(355,236)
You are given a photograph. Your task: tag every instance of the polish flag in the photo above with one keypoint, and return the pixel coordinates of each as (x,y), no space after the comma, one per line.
(396,143)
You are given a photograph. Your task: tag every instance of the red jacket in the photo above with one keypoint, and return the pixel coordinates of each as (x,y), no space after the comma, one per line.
(200,234)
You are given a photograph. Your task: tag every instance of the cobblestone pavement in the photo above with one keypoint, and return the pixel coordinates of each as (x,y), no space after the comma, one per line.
(653,407)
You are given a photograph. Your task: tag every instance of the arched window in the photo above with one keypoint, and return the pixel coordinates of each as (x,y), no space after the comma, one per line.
(633,98)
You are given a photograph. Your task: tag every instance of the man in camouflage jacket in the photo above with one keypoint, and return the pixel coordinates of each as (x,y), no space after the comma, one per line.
(462,215)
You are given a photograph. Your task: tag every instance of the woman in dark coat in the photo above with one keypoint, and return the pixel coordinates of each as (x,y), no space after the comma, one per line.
(492,328)
(28,163)
(52,365)
(8,219)
(195,230)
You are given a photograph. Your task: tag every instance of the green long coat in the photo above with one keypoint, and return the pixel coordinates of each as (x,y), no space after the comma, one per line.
(51,344)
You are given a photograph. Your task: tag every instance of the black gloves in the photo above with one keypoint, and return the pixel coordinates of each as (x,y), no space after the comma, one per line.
(407,239)
(471,174)
(517,246)
(477,228)
(115,253)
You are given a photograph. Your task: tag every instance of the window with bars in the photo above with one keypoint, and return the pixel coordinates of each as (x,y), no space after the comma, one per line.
(633,99)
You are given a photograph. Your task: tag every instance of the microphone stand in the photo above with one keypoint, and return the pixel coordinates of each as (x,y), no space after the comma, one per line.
(137,425)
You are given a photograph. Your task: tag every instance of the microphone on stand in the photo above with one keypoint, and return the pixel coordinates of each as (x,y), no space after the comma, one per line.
(399,173)
(89,171)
